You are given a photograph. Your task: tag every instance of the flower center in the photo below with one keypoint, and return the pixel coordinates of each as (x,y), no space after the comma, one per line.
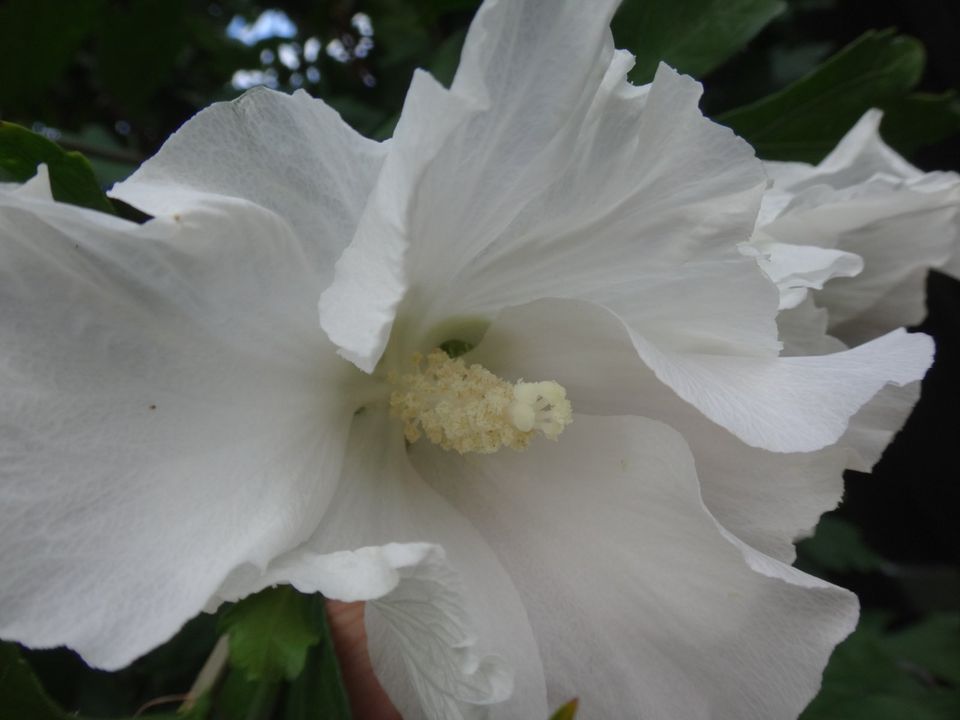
(469,409)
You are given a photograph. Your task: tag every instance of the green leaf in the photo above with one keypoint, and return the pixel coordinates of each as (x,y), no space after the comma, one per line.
(932,644)
(71,177)
(243,699)
(446,58)
(920,119)
(23,698)
(110,160)
(318,693)
(805,120)
(21,695)
(884,706)
(867,679)
(200,710)
(838,547)
(694,36)
(568,711)
(401,35)
(363,117)
(270,633)
(278,635)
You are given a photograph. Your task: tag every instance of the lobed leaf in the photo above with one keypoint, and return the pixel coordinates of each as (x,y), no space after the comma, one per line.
(920,119)
(71,178)
(271,633)
(805,120)
(694,36)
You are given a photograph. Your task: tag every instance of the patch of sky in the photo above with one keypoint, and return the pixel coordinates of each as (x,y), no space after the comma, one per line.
(48,132)
(270,24)
(246,79)
(311,49)
(289,54)
(337,50)
(362,24)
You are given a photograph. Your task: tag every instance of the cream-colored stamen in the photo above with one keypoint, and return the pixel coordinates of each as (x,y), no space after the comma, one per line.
(469,409)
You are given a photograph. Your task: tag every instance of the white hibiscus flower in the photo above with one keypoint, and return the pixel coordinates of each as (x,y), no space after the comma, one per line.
(178,430)
(849,243)
(863,200)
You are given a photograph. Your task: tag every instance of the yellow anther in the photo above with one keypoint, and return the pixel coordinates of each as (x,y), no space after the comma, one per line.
(469,409)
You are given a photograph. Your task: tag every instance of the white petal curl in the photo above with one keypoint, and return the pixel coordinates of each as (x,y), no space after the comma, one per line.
(448,634)
(795,269)
(642,605)
(632,180)
(767,499)
(291,154)
(170,413)
(790,404)
(456,156)
(865,199)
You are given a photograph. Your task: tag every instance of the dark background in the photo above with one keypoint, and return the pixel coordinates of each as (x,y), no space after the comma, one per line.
(115,78)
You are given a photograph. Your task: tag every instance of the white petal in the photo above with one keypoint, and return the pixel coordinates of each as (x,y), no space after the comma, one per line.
(516,205)
(796,268)
(767,499)
(643,606)
(790,404)
(357,311)
(803,330)
(866,199)
(722,306)
(859,156)
(784,404)
(872,429)
(887,302)
(37,187)
(530,60)
(291,154)
(898,231)
(952,266)
(452,618)
(170,412)
(460,159)
(647,187)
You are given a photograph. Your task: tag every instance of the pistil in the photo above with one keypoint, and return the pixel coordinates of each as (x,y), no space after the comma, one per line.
(469,409)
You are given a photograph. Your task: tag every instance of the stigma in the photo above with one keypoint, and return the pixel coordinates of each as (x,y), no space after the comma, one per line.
(469,409)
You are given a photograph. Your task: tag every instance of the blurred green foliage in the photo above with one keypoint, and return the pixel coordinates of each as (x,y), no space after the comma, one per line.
(282,665)
(114,78)
(72,179)
(884,674)
(22,697)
